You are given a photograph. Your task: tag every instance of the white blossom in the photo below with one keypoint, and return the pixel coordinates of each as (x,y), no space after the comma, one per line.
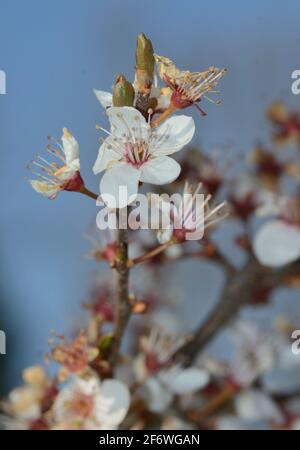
(133,152)
(63,174)
(91,405)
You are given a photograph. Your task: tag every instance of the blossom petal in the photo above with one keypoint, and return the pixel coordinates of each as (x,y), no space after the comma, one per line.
(89,387)
(115,395)
(188,380)
(46,189)
(277,243)
(70,146)
(106,156)
(282,380)
(164,235)
(161,170)
(157,396)
(253,405)
(24,403)
(119,185)
(172,135)
(128,123)
(72,167)
(105,98)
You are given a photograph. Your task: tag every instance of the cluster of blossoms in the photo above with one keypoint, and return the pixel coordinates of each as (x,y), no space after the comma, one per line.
(165,377)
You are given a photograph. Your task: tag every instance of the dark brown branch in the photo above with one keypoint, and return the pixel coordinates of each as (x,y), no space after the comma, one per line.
(123,306)
(238,290)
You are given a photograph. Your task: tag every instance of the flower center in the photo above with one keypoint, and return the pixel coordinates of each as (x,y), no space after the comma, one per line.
(136,153)
(81,405)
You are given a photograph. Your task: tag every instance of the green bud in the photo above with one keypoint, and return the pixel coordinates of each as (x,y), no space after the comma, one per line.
(144,63)
(105,342)
(123,92)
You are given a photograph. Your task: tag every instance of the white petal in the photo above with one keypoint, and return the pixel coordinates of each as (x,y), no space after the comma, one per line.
(163,236)
(127,121)
(105,98)
(59,409)
(119,185)
(105,157)
(175,132)
(277,243)
(253,405)
(67,172)
(72,167)
(282,381)
(24,403)
(89,387)
(70,146)
(157,396)
(46,189)
(116,395)
(160,170)
(189,380)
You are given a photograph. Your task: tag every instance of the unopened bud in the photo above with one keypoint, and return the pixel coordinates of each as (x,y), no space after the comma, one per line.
(144,64)
(105,342)
(123,92)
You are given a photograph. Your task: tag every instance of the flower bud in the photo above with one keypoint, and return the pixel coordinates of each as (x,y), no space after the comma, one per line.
(144,64)
(123,92)
(105,342)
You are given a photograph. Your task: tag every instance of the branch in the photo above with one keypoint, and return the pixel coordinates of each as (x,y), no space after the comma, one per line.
(123,307)
(239,289)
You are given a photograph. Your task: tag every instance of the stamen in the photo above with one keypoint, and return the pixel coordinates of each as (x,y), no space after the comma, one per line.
(43,159)
(215,102)
(56,153)
(57,143)
(98,127)
(43,168)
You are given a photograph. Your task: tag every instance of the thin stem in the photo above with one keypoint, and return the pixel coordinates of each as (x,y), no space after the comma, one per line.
(144,258)
(163,116)
(85,191)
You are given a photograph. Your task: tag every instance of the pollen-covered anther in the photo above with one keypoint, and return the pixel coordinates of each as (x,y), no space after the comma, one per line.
(188,87)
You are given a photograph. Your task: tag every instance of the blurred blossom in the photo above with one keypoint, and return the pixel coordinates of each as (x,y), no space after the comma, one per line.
(91,405)
(277,242)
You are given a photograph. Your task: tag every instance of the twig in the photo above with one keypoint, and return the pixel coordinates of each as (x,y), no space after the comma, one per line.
(151,254)
(123,306)
(85,191)
(239,289)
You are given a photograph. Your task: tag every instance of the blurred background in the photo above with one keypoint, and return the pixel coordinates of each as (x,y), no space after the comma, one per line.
(54,53)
